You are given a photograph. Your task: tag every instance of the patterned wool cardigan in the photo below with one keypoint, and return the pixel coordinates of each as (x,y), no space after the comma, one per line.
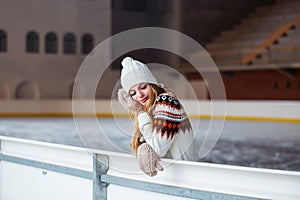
(168,130)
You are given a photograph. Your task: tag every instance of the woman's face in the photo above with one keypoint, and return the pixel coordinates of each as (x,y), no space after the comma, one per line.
(141,92)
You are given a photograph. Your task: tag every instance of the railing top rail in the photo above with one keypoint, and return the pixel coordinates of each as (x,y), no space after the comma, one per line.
(132,156)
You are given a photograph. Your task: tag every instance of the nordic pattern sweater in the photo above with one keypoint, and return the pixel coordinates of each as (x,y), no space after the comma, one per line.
(170,133)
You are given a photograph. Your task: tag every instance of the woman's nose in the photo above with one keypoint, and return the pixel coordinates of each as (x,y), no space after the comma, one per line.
(140,94)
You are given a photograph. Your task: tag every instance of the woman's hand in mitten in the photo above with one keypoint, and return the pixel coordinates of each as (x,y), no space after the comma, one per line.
(129,103)
(148,160)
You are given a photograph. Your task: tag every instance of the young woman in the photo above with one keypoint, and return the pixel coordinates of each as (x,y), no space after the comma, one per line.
(162,126)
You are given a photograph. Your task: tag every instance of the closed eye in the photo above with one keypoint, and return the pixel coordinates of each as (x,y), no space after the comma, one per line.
(143,86)
(132,93)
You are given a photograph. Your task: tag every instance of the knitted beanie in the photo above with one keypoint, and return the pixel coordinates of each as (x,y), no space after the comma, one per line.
(135,72)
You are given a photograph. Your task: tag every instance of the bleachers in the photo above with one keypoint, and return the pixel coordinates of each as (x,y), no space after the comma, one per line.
(232,46)
(285,51)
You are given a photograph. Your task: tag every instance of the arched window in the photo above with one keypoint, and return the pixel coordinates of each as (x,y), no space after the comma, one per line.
(4,91)
(32,42)
(51,43)
(87,43)
(3,41)
(69,43)
(27,90)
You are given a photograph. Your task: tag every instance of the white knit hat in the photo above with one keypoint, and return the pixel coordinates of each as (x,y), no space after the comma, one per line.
(135,72)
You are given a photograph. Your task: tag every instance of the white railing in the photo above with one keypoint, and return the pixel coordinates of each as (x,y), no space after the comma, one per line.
(38,170)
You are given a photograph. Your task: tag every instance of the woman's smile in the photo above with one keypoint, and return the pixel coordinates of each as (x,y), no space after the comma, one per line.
(142,101)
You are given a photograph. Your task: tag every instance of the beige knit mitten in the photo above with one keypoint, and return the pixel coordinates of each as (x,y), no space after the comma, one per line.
(129,103)
(148,160)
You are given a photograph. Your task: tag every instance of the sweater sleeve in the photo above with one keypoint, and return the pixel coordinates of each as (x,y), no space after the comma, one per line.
(167,119)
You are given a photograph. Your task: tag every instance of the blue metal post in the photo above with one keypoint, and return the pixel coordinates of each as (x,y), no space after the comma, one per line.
(100,164)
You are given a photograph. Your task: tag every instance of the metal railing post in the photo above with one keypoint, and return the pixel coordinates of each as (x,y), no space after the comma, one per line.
(100,167)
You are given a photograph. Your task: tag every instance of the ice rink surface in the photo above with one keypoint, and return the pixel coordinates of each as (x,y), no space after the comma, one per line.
(273,145)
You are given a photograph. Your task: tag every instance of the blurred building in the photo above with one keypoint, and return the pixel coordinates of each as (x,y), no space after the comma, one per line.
(44,42)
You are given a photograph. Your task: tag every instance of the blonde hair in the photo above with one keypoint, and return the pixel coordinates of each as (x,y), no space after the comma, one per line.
(135,142)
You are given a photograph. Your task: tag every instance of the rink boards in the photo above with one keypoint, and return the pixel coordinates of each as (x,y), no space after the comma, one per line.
(38,170)
(280,111)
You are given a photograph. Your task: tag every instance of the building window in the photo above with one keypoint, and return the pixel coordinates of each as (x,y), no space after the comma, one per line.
(288,85)
(87,43)
(135,5)
(275,85)
(69,43)
(32,42)
(3,41)
(51,43)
